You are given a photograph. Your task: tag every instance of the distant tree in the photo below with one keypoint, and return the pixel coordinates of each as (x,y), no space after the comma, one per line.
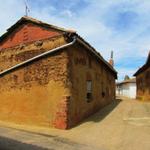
(126,77)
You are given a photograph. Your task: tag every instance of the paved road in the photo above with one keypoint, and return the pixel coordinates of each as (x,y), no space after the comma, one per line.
(12,139)
(123,125)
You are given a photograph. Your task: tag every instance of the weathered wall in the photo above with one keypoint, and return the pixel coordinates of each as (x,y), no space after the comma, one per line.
(52,91)
(37,93)
(143,85)
(83,67)
(27,33)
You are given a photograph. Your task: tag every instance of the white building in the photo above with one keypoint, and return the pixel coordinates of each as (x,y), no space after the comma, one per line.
(126,88)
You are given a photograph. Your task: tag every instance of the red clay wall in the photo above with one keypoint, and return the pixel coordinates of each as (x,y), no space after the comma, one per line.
(27,33)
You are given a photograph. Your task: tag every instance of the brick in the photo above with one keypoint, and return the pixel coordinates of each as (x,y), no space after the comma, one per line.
(27,33)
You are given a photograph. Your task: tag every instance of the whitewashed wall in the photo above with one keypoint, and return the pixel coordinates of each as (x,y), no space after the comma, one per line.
(133,90)
(127,90)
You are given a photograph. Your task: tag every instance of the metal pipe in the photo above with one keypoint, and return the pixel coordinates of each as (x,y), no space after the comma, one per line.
(38,56)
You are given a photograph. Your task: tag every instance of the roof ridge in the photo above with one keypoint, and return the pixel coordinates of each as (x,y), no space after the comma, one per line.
(51,25)
(131,80)
(145,66)
(148,58)
(69,32)
(35,21)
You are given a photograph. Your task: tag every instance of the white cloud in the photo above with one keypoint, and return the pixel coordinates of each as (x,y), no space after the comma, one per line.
(107,25)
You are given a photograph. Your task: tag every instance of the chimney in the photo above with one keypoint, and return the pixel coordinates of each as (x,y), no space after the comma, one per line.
(111,61)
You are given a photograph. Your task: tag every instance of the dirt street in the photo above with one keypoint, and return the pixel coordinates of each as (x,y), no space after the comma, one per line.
(123,125)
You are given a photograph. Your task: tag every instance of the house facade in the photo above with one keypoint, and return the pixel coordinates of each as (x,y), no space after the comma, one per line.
(143,81)
(51,76)
(126,88)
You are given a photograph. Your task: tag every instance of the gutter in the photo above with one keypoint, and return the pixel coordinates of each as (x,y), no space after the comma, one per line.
(38,56)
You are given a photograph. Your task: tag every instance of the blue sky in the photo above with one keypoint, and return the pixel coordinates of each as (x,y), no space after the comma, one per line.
(119,25)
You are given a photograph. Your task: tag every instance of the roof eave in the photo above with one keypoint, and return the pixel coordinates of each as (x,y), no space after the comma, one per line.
(97,54)
(144,67)
(28,19)
(34,21)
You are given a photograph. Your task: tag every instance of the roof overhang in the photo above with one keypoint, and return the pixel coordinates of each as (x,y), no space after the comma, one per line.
(36,22)
(69,33)
(144,67)
(98,55)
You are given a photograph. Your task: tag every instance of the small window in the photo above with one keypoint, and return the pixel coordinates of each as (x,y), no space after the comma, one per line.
(89,91)
(103,94)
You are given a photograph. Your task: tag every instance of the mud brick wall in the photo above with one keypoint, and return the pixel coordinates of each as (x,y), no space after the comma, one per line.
(52,91)
(83,67)
(143,85)
(12,56)
(33,93)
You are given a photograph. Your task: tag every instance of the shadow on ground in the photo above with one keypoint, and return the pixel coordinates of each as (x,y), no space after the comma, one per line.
(10,144)
(55,144)
(101,114)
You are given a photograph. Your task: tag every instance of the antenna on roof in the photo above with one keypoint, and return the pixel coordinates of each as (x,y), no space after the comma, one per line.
(112,53)
(111,61)
(27,10)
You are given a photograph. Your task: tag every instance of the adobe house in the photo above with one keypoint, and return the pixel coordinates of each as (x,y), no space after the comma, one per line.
(143,81)
(51,76)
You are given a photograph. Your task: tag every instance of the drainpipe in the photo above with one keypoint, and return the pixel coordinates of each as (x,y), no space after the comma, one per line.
(38,56)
